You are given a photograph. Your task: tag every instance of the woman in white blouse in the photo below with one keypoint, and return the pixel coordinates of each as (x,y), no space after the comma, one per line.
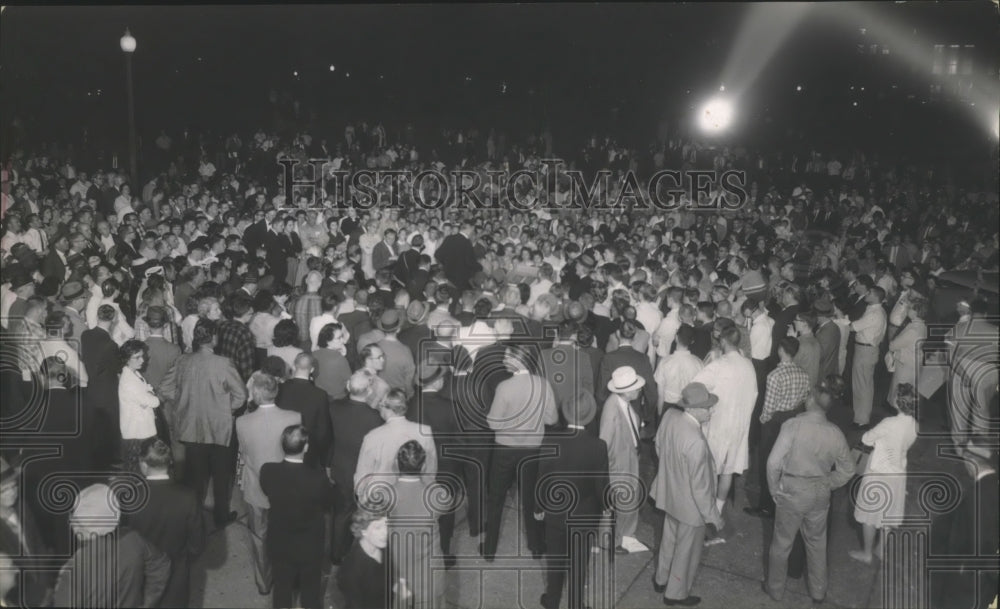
(136,401)
(881,498)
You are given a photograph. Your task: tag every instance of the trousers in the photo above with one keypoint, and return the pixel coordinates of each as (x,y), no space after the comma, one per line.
(257,529)
(863,382)
(679,557)
(567,554)
(204,461)
(512,463)
(802,509)
(307,575)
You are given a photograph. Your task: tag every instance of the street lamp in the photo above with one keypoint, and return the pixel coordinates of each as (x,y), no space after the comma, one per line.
(128,47)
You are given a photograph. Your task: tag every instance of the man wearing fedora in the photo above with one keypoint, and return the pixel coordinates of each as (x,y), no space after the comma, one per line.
(684,488)
(73,297)
(417,331)
(400,369)
(581,461)
(828,335)
(620,430)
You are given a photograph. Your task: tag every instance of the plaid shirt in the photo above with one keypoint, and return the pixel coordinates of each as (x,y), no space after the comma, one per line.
(237,343)
(787,387)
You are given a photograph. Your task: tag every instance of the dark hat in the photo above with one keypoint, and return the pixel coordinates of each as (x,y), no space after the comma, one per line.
(822,306)
(72,290)
(587,260)
(696,395)
(417,312)
(19,280)
(580,411)
(429,372)
(389,321)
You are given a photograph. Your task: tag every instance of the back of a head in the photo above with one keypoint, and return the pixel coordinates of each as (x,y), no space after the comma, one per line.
(731,337)
(395,402)
(106,313)
(204,333)
(684,336)
(156,454)
(790,345)
(411,458)
(263,388)
(294,440)
(359,384)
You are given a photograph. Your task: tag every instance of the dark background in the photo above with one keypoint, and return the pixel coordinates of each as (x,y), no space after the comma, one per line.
(580,69)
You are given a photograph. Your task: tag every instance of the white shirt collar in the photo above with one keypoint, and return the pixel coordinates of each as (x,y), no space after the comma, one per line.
(158,477)
(293,459)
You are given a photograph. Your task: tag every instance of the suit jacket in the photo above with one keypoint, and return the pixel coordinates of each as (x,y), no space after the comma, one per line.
(458,259)
(684,486)
(351,423)
(171,520)
(646,405)
(140,579)
(302,396)
(332,373)
(623,450)
(202,390)
(162,355)
(568,369)
(488,371)
(259,435)
(377,460)
(253,236)
(435,410)
(828,336)
(99,354)
(23,550)
(413,337)
(382,256)
(53,266)
(582,462)
(299,497)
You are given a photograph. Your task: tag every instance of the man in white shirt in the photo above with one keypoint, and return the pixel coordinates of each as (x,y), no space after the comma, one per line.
(677,369)
(869,332)
(665,333)
(761,329)
(329,306)
(543,284)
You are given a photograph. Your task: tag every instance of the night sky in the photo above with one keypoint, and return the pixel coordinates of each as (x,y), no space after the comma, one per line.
(213,66)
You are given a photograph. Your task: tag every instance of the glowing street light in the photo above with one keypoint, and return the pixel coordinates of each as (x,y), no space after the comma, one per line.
(798,88)
(333,68)
(715,115)
(128,44)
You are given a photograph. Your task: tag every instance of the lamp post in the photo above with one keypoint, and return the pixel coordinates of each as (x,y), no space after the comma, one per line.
(128,47)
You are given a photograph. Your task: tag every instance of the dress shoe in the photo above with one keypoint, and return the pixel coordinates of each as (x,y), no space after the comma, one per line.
(482,552)
(759,512)
(449,561)
(619,550)
(659,588)
(227,520)
(690,601)
(819,601)
(767,590)
(547,603)
(860,427)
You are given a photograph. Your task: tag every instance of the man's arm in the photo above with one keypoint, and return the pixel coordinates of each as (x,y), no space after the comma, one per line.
(776,460)
(770,398)
(843,466)
(550,412)
(703,485)
(234,385)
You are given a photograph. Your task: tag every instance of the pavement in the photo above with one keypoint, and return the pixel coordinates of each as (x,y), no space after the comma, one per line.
(729,576)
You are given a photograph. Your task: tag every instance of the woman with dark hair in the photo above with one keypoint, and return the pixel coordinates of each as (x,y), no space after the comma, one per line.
(332,369)
(285,342)
(364,570)
(904,349)
(136,401)
(881,497)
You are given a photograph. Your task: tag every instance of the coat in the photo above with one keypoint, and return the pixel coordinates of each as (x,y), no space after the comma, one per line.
(351,423)
(458,259)
(733,379)
(377,460)
(259,435)
(100,356)
(313,404)
(684,486)
(581,461)
(646,405)
(299,497)
(171,520)
(201,391)
(568,369)
(623,450)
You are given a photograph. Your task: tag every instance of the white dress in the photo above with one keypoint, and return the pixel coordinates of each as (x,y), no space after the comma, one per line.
(732,378)
(881,497)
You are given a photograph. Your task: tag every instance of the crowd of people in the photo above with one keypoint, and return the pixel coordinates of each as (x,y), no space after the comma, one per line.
(340,366)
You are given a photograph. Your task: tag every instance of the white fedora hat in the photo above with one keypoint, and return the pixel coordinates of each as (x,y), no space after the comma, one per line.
(625,379)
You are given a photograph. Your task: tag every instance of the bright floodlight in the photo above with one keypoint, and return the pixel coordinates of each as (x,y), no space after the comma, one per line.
(127,42)
(715,115)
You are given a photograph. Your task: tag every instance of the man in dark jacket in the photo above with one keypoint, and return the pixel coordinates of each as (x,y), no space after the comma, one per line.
(171,520)
(100,357)
(299,497)
(458,258)
(581,461)
(299,394)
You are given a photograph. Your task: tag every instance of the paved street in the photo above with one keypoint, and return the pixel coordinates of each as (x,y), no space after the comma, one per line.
(729,575)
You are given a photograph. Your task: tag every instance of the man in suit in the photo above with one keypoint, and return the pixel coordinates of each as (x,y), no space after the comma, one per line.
(352,418)
(458,258)
(162,353)
(377,459)
(253,236)
(417,332)
(828,335)
(171,520)
(384,253)
(400,368)
(73,299)
(299,497)
(567,367)
(620,430)
(100,357)
(259,437)
(684,488)
(54,263)
(299,394)
(626,355)
(581,460)
(435,410)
